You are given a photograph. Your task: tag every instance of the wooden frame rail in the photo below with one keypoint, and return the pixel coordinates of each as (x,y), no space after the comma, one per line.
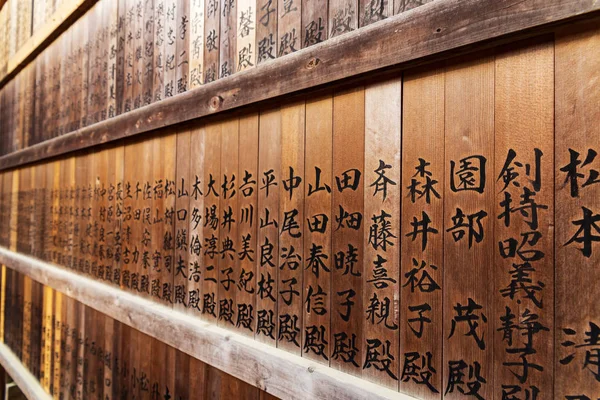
(28,384)
(275,371)
(434,31)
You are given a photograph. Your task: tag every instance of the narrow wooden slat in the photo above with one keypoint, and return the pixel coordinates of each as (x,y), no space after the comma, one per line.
(227,38)
(247,214)
(382,188)
(291,227)
(229,221)
(524,232)
(576,139)
(318,257)
(421,272)
(267,256)
(348,228)
(468,226)
(212,19)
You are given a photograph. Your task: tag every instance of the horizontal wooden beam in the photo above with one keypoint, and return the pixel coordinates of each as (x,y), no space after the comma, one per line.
(28,384)
(275,371)
(431,32)
(64,16)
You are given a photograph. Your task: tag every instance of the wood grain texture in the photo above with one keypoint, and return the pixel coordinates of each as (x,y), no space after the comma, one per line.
(577,130)
(468,222)
(524,119)
(382,214)
(276,372)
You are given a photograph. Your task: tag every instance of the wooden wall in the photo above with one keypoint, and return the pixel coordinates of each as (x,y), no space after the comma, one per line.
(436,232)
(79,353)
(122,55)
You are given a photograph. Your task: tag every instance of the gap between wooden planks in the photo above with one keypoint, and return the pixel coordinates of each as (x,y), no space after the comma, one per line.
(275,371)
(427,33)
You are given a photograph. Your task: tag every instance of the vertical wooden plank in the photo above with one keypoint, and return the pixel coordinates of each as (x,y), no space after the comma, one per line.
(138,53)
(247,212)
(170,74)
(129,43)
(524,165)
(211,229)
(229,222)
(212,23)
(347,311)
(196,188)
(291,226)
(468,228)
(246,34)
(314,22)
(164,218)
(159,49)
(578,204)
(181,257)
(269,163)
(289,26)
(381,294)
(318,258)
(343,16)
(266,30)
(371,11)
(148,52)
(183,45)
(196,44)
(228,36)
(421,266)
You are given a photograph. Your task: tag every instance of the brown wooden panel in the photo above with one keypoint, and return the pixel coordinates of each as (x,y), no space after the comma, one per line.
(247,213)
(343,16)
(291,227)
(266,30)
(181,259)
(421,268)
(468,305)
(347,308)
(314,22)
(229,221)
(289,25)
(524,165)
(211,229)
(196,215)
(183,37)
(578,202)
(269,192)
(381,238)
(318,257)
(212,23)
(228,37)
